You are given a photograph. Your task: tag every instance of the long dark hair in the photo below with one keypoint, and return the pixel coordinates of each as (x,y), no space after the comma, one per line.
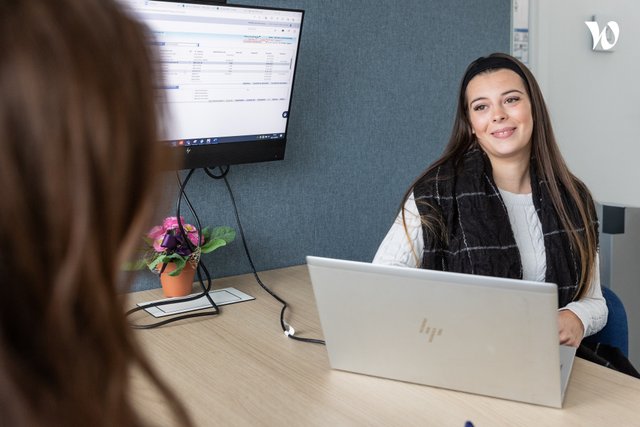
(79,176)
(548,162)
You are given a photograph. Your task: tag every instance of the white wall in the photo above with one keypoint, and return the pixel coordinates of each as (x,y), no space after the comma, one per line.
(594,101)
(593,97)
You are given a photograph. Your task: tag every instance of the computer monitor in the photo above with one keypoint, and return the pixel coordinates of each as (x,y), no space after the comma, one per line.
(228,77)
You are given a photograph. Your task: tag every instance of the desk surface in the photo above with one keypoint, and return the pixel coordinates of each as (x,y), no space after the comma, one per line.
(239,369)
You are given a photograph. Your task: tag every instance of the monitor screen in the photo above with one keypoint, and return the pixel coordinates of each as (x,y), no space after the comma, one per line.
(228,77)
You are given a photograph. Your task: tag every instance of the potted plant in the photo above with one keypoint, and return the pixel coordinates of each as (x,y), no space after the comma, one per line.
(174,253)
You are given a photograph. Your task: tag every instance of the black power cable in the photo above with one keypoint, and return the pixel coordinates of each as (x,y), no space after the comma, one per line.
(286,328)
(199,270)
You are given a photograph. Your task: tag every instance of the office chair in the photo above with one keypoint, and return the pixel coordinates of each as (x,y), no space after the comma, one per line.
(616,331)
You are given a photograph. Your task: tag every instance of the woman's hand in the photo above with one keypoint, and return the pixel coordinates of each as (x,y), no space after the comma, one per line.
(570,328)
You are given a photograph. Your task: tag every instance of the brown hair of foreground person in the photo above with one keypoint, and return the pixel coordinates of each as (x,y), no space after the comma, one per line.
(79,171)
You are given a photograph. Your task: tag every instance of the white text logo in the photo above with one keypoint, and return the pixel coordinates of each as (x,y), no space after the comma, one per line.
(600,37)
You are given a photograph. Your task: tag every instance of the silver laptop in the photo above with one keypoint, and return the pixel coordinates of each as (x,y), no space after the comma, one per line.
(477,334)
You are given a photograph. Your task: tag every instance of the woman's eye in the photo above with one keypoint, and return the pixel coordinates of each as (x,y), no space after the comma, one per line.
(512,99)
(479,107)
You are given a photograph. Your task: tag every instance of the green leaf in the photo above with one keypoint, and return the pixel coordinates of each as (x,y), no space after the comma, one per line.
(180,264)
(225,233)
(162,258)
(154,264)
(206,233)
(212,245)
(218,237)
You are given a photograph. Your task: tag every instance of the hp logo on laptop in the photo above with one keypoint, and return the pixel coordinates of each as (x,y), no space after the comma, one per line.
(429,330)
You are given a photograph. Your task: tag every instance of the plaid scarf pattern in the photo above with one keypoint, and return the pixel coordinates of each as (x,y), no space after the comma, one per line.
(479,238)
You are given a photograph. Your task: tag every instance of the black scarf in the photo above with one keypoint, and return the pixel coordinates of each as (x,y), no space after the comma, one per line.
(479,235)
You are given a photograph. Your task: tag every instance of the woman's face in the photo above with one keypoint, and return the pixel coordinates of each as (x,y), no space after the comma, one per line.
(500,114)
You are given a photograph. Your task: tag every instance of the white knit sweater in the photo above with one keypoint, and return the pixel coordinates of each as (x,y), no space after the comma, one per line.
(402,248)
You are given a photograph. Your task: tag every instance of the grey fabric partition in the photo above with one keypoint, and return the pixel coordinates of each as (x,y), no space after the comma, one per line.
(373,105)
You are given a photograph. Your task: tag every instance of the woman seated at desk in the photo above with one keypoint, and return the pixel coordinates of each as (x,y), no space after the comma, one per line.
(500,201)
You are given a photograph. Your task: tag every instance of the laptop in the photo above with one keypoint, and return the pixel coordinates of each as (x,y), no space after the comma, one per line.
(477,334)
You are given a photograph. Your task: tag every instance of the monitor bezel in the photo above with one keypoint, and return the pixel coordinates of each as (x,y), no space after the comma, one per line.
(234,153)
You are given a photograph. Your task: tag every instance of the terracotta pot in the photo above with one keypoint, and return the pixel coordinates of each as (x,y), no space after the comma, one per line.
(180,285)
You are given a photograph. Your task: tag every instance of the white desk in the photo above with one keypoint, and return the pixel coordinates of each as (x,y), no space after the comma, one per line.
(239,369)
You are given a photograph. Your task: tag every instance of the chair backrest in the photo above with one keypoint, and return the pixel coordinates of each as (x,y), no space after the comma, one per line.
(616,331)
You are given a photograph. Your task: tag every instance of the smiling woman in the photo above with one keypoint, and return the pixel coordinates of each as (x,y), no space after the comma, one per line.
(500,201)
(501,120)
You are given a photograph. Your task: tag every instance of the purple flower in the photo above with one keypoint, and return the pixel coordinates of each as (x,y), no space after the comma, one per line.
(167,238)
(171,243)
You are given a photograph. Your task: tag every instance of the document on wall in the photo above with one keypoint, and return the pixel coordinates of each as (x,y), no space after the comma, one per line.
(178,305)
(520,39)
